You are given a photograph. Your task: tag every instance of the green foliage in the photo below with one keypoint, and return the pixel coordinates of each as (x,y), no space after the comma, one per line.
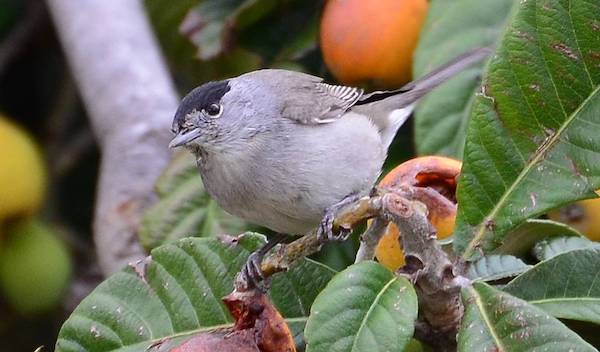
(496,321)
(495,267)
(520,240)
(176,292)
(450,30)
(211,39)
(184,208)
(547,249)
(532,143)
(365,307)
(566,285)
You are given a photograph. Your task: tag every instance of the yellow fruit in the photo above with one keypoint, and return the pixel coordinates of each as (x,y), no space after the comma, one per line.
(34,267)
(22,172)
(583,216)
(430,172)
(371,41)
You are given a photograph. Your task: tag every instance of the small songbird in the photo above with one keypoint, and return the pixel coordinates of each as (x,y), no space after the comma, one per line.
(285,150)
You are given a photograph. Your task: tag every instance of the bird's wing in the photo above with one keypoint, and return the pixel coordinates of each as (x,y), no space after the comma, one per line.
(316,102)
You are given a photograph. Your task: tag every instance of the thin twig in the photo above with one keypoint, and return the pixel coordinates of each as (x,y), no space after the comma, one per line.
(370,239)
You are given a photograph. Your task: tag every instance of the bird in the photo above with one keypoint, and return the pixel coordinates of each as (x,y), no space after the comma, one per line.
(285,150)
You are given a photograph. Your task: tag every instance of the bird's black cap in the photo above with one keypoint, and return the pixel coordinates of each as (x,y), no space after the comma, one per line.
(200,98)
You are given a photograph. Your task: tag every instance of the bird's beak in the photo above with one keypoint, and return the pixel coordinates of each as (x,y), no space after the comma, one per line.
(184,137)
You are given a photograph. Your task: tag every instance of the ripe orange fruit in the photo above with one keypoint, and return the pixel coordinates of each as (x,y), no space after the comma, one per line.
(371,41)
(432,172)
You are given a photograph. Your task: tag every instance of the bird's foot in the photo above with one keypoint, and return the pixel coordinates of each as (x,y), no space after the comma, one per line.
(326,231)
(251,275)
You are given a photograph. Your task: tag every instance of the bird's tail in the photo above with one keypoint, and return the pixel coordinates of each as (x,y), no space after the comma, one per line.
(390,109)
(411,92)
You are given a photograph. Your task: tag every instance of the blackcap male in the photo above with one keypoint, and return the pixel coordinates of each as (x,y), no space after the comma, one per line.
(285,150)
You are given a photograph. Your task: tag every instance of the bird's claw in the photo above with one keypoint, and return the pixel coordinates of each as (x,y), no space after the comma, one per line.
(252,276)
(326,233)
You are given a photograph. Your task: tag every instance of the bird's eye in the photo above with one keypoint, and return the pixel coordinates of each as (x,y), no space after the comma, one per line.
(214,110)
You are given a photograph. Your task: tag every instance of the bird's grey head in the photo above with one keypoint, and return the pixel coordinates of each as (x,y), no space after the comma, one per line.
(223,116)
(196,121)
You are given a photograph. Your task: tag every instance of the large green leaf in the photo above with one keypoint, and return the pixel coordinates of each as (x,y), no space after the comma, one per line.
(497,321)
(364,308)
(210,25)
(451,29)
(277,31)
(184,208)
(521,240)
(532,142)
(176,293)
(547,249)
(566,286)
(495,267)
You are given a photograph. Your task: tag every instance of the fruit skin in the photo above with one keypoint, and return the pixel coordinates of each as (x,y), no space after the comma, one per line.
(371,41)
(433,172)
(584,216)
(22,172)
(35,267)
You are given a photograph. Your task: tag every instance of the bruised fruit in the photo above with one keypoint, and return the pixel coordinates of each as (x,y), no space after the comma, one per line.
(258,328)
(434,181)
(22,172)
(371,41)
(34,267)
(584,216)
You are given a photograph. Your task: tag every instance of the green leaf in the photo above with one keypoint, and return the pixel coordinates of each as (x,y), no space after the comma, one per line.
(166,17)
(547,249)
(532,143)
(185,209)
(210,25)
(497,321)
(566,286)
(521,240)
(450,30)
(495,267)
(176,292)
(363,308)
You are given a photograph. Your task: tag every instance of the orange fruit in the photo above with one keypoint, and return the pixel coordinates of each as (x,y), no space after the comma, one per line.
(371,41)
(584,216)
(435,173)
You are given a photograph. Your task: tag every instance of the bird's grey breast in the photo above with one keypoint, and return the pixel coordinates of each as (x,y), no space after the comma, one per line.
(292,173)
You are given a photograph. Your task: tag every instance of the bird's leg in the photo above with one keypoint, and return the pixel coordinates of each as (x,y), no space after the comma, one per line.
(251,275)
(325,231)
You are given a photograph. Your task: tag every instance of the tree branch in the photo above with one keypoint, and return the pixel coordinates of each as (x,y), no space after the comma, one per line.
(428,267)
(130,100)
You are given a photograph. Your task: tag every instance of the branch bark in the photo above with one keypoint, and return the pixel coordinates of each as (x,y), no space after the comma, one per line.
(130,99)
(436,279)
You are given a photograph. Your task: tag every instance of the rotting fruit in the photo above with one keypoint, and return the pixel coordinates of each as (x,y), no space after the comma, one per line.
(371,42)
(258,328)
(22,172)
(434,178)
